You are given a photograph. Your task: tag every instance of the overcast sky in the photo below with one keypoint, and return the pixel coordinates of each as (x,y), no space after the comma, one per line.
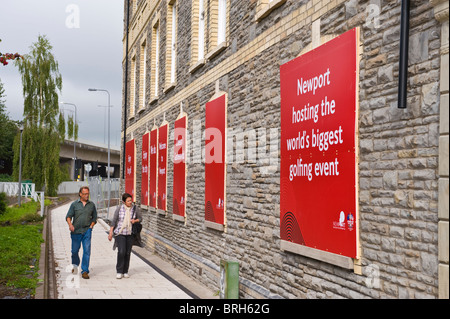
(86,36)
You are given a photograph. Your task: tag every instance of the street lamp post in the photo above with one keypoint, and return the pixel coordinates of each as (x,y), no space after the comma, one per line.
(104,125)
(20,164)
(109,148)
(74,143)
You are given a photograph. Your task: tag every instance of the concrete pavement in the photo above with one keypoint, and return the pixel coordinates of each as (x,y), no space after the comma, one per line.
(150,276)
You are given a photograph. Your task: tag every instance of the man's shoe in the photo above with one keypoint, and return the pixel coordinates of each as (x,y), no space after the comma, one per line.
(119,276)
(126,276)
(75,270)
(85,275)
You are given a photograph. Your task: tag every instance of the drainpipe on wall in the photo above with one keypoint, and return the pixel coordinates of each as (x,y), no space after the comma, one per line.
(403,65)
(126,92)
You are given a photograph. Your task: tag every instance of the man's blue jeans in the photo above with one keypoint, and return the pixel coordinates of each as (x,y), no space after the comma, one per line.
(85,240)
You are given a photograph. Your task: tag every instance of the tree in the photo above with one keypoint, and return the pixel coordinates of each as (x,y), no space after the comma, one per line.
(8,130)
(43,131)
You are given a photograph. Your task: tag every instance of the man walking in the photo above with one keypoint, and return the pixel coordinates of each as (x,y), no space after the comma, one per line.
(81,217)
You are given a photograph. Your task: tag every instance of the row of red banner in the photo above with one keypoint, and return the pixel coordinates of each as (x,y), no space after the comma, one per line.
(154,166)
(318,167)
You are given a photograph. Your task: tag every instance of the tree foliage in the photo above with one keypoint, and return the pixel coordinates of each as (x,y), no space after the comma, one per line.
(8,130)
(41,82)
(43,125)
(70,123)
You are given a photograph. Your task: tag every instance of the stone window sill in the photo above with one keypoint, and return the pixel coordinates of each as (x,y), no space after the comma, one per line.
(219,48)
(197,66)
(153,99)
(215,226)
(170,86)
(267,9)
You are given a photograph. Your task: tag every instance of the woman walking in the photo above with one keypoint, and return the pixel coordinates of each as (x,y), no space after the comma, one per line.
(125,216)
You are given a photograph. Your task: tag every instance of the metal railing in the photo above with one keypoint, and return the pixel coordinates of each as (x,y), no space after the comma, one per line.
(98,188)
(27,190)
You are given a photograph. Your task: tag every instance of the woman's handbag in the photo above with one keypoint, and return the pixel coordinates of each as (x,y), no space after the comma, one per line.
(136,232)
(136,227)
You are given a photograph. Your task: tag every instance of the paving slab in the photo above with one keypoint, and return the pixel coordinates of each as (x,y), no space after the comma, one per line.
(144,282)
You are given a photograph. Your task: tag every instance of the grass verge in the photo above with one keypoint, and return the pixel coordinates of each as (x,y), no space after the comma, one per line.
(20,241)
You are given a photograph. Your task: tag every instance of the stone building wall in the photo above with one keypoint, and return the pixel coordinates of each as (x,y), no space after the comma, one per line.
(399,150)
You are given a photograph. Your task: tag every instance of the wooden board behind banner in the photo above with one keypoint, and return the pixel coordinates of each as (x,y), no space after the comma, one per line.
(318,180)
(153,169)
(130,168)
(179,167)
(163,132)
(215,152)
(145,164)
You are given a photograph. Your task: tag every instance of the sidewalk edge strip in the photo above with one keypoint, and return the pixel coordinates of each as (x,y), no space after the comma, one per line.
(162,273)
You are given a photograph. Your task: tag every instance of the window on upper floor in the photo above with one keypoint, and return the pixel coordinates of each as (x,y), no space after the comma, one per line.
(198,18)
(218,26)
(208,43)
(222,22)
(142,75)
(155,61)
(133,86)
(171,43)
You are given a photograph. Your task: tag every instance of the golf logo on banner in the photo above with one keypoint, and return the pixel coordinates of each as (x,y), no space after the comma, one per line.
(318,181)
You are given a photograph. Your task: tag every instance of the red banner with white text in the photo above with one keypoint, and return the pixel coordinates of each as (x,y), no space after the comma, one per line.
(163,132)
(144,176)
(215,152)
(130,164)
(153,168)
(318,178)
(179,167)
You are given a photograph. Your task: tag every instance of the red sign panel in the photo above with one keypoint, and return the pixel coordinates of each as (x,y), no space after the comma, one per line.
(215,152)
(130,152)
(144,176)
(153,168)
(179,167)
(163,132)
(318,159)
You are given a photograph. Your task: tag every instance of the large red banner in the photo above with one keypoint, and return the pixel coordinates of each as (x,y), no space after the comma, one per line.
(215,152)
(144,176)
(318,151)
(179,167)
(130,155)
(163,132)
(153,168)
